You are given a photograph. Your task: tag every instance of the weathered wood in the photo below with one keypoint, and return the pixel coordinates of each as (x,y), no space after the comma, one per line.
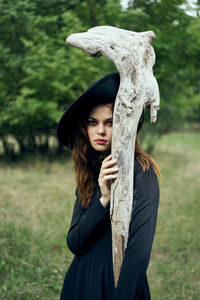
(134,58)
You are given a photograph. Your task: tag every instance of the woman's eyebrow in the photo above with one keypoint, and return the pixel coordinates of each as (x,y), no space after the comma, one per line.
(109,119)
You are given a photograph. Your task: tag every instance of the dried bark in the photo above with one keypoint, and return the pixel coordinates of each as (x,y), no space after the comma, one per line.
(134,58)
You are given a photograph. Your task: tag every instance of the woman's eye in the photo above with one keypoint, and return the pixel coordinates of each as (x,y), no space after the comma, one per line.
(109,123)
(91,122)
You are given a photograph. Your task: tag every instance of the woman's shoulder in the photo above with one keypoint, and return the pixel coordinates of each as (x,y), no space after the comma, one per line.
(146,183)
(147,173)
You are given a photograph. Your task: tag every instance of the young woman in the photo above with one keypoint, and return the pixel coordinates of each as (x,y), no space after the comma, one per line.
(86,127)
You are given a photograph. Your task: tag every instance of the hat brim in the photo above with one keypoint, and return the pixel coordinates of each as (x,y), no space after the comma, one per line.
(102,91)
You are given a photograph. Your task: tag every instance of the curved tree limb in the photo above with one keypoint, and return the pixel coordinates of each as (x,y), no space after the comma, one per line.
(134,58)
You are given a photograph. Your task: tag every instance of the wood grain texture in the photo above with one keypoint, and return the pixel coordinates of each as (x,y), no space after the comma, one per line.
(134,58)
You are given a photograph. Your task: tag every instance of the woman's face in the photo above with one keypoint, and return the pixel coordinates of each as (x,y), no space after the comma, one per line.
(99,127)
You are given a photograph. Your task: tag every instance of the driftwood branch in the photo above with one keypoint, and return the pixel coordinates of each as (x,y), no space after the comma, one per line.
(134,58)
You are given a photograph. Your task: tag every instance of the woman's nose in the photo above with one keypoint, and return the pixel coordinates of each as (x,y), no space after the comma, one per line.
(101,129)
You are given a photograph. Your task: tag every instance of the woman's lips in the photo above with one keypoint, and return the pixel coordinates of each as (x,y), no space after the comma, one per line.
(100,141)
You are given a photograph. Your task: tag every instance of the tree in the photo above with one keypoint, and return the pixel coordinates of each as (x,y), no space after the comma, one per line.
(40,76)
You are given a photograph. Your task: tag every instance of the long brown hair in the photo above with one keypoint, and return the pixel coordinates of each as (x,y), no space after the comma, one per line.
(85,159)
(145,159)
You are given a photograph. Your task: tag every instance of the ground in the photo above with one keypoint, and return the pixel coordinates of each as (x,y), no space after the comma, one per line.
(36,202)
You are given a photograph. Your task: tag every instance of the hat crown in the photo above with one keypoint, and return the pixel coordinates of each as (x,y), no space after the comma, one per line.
(101,91)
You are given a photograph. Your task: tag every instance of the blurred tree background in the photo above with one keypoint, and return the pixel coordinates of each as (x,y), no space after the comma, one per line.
(40,76)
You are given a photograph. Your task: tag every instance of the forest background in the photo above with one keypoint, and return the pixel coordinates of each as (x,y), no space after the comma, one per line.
(39,78)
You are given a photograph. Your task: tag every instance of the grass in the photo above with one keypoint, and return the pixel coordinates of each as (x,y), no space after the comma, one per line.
(36,202)
(175,265)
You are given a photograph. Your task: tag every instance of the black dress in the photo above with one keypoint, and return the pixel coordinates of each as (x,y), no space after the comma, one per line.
(90,275)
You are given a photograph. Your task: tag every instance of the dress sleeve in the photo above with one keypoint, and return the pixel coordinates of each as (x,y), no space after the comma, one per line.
(85,225)
(141,235)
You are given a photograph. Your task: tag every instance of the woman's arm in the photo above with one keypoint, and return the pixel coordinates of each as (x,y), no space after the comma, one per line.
(141,235)
(84,225)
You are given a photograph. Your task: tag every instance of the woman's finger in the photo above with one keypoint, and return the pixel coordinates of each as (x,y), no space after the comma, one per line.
(107,158)
(109,163)
(109,177)
(110,171)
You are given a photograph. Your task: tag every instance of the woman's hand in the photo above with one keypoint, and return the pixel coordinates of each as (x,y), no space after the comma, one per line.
(107,174)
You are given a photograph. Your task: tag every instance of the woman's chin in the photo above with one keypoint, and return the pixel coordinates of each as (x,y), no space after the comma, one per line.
(101,148)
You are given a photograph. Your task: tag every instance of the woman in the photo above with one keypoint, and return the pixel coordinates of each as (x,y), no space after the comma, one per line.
(86,127)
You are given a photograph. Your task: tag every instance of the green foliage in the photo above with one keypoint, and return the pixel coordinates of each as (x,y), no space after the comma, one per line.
(176,47)
(40,76)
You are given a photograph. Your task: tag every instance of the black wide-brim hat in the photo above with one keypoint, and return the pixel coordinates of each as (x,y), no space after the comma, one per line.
(102,91)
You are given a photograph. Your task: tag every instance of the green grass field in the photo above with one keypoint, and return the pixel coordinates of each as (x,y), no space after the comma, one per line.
(36,202)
